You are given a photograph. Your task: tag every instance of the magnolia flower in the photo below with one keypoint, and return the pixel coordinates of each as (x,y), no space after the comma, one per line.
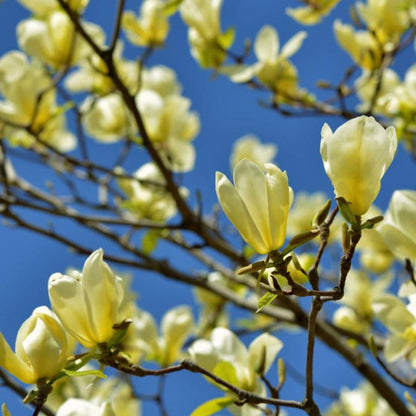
(399,226)
(244,366)
(367,85)
(258,204)
(400,320)
(375,254)
(363,401)
(170,126)
(107,118)
(273,67)
(251,148)
(355,157)
(88,304)
(162,80)
(142,339)
(81,407)
(146,196)
(54,40)
(42,8)
(360,291)
(361,45)
(312,13)
(387,19)
(21,83)
(92,74)
(304,209)
(151,28)
(41,348)
(208,43)
(110,393)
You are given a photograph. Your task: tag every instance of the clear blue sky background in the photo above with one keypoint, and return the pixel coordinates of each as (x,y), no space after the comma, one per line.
(227,111)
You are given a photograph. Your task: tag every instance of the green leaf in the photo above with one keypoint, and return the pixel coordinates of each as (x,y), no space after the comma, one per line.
(95,373)
(265,300)
(226,372)
(212,406)
(150,240)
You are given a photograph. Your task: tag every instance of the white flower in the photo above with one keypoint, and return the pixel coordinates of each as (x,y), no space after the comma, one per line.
(258,203)
(88,304)
(355,158)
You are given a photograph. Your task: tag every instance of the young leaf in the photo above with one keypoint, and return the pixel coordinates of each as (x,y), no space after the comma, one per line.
(213,406)
(96,373)
(265,300)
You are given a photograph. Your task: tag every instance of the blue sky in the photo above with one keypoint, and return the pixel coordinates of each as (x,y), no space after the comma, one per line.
(227,112)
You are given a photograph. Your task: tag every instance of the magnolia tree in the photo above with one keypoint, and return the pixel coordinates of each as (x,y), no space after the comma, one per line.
(335,268)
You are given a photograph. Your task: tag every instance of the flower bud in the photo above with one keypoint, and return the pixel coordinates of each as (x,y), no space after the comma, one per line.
(257,205)
(41,348)
(355,157)
(88,304)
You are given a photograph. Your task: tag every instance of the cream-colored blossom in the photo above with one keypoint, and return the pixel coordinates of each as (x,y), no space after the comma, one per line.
(273,67)
(400,320)
(355,158)
(29,101)
(208,43)
(41,8)
(54,40)
(113,392)
(88,304)
(147,197)
(305,207)
(170,126)
(258,203)
(361,45)
(360,291)
(92,74)
(312,13)
(162,80)
(81,407)
(375,255)
(362,401)
(143,341)
(398,228)
(40,351)
(250,147)
(368,87)
(387,19)
(150,28)
(223,346)
(107,118)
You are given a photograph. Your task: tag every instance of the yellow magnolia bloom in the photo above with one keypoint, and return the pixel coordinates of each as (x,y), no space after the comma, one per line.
(258,205)
(398,228)
(21,85)
(146,196)
(361,45)
(312,13)
(355,157)
(107,118)
(41,348)
(387,19)
(208,44)
(54,40)
(88,303)
(250,147)
(151,28)
(41,8)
